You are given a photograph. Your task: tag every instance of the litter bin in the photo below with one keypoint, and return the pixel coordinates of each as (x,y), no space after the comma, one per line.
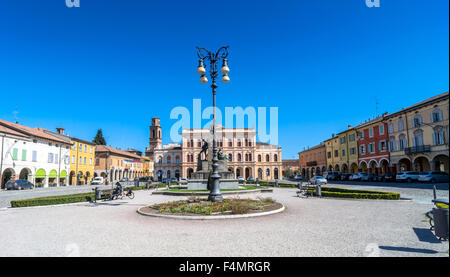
(98,194)
(136,183)
(276,183)
(440,218)
(147,185)
(319,190)
(299,186)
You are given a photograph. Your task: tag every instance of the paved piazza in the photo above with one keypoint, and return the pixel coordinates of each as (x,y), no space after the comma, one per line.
(308,227)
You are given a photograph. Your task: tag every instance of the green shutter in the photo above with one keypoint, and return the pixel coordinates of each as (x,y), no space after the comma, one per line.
(24,155)
(15,151)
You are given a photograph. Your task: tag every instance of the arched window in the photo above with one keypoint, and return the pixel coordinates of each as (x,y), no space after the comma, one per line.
(259,158)
(401,125)
(160,160)
(246,157)
(177,159)
(436,115)
(250,157)
(392,144)
(275,157)
(438,136)
(267,158)
(417,121)
(169,159)
(239,157)
(230,157)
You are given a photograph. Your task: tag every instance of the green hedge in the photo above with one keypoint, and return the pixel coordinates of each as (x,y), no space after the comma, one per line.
(356,194)
(53,200)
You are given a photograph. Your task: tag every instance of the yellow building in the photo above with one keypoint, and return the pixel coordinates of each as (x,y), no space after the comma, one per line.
(82,159)
(332,153)
(348,151)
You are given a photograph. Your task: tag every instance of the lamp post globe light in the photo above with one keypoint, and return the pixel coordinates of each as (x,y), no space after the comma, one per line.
(213,58)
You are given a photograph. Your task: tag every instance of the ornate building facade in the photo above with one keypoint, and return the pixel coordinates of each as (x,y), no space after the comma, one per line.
(247,158)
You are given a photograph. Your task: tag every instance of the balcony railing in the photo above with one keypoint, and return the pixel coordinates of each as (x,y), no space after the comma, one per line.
(417,149)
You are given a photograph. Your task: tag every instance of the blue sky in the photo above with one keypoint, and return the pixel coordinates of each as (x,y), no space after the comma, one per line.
(116,64)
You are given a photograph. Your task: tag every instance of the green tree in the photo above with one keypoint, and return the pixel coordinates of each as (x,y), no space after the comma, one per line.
(99,139)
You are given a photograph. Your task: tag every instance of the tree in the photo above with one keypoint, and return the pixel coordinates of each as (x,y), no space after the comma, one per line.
(99,139)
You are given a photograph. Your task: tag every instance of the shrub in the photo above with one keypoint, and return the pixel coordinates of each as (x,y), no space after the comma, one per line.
(356,194)
(53,200)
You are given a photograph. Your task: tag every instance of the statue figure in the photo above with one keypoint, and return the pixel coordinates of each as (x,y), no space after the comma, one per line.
(221,156)
(204,149)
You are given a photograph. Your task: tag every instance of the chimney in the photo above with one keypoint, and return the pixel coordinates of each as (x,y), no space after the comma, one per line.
(349,126)
(60,130)
(332,135)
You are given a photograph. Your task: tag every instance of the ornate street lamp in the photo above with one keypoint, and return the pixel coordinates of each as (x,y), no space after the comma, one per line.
(213,58)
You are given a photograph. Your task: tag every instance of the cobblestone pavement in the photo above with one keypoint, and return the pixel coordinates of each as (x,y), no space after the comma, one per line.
(308,227)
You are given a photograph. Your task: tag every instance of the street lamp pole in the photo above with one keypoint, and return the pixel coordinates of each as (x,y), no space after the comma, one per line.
(213,58)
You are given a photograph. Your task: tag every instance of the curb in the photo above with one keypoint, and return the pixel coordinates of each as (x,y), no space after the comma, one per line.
(180,193)
(211,217)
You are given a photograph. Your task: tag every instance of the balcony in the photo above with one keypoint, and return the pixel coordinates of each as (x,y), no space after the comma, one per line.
(417,149)
(313,163)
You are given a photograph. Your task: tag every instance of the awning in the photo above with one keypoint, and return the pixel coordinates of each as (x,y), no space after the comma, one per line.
(63,174)
(52,174)
(40,173)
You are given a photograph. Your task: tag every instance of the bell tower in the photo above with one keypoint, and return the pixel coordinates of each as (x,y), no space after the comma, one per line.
(155,141)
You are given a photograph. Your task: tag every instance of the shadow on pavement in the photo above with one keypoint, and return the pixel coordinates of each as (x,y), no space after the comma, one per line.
(426,235)
(408,249)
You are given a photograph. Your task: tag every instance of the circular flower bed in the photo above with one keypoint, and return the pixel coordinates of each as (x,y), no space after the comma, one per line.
(197,206)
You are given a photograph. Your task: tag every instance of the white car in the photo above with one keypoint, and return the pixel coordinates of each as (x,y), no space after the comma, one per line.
(97,181)
(183,181)
(318,180)
(407,176)
(241,179)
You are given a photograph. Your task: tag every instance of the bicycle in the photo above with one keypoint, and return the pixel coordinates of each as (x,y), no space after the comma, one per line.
(129,194)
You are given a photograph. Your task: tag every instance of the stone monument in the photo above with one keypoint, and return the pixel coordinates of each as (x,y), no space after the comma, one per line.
(200,179)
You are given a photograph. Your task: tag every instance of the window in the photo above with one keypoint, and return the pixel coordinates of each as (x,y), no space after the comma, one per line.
(177,159)
(371,147)
(259,158)
(80,161)
(275,157)
(329,155)
(436,115)
(417,121)
(351,137)
(91,149)
(50,157)
(336,153)
(85,148)
(370,132)
(73,159)
(418,138)
(15,153)
(352,151)
(84,160)
(74,146)
(391,128)
(90,161)
(24,155)
(343,153)
(56,159)
(438,136)
(392,144)
(239,157)
(97,162)
(382,146)
(360,134)
(342,140)
(267,158)
(34,156)
(401,142)
(381,128)
(230,157)
(400,125)
(81,147)
(362,149)
(169,159)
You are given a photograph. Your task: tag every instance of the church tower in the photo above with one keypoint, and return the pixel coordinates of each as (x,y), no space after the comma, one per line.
(155,141)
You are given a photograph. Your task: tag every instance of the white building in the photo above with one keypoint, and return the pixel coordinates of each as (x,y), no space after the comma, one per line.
(32,154)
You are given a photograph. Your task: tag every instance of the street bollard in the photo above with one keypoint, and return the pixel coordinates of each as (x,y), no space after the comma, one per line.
(136,183)
(319,191)
(276,183)
(434,192)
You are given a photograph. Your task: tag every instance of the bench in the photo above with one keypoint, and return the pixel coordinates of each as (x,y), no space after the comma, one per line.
(303,190)
(106,193)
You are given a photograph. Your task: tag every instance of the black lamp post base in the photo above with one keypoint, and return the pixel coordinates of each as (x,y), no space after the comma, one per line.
(215,197)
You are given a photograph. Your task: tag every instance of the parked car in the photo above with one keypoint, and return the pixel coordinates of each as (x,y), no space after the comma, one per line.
(318,180)
(434,177)
(183,181)
(388,177)
(407,176)
(332,175)
(18,185)
(173,180)
(368,177)
(125,179)
(251,179)
(97,181)
(345,176)
(241,179)
(358,176)
(298,178)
